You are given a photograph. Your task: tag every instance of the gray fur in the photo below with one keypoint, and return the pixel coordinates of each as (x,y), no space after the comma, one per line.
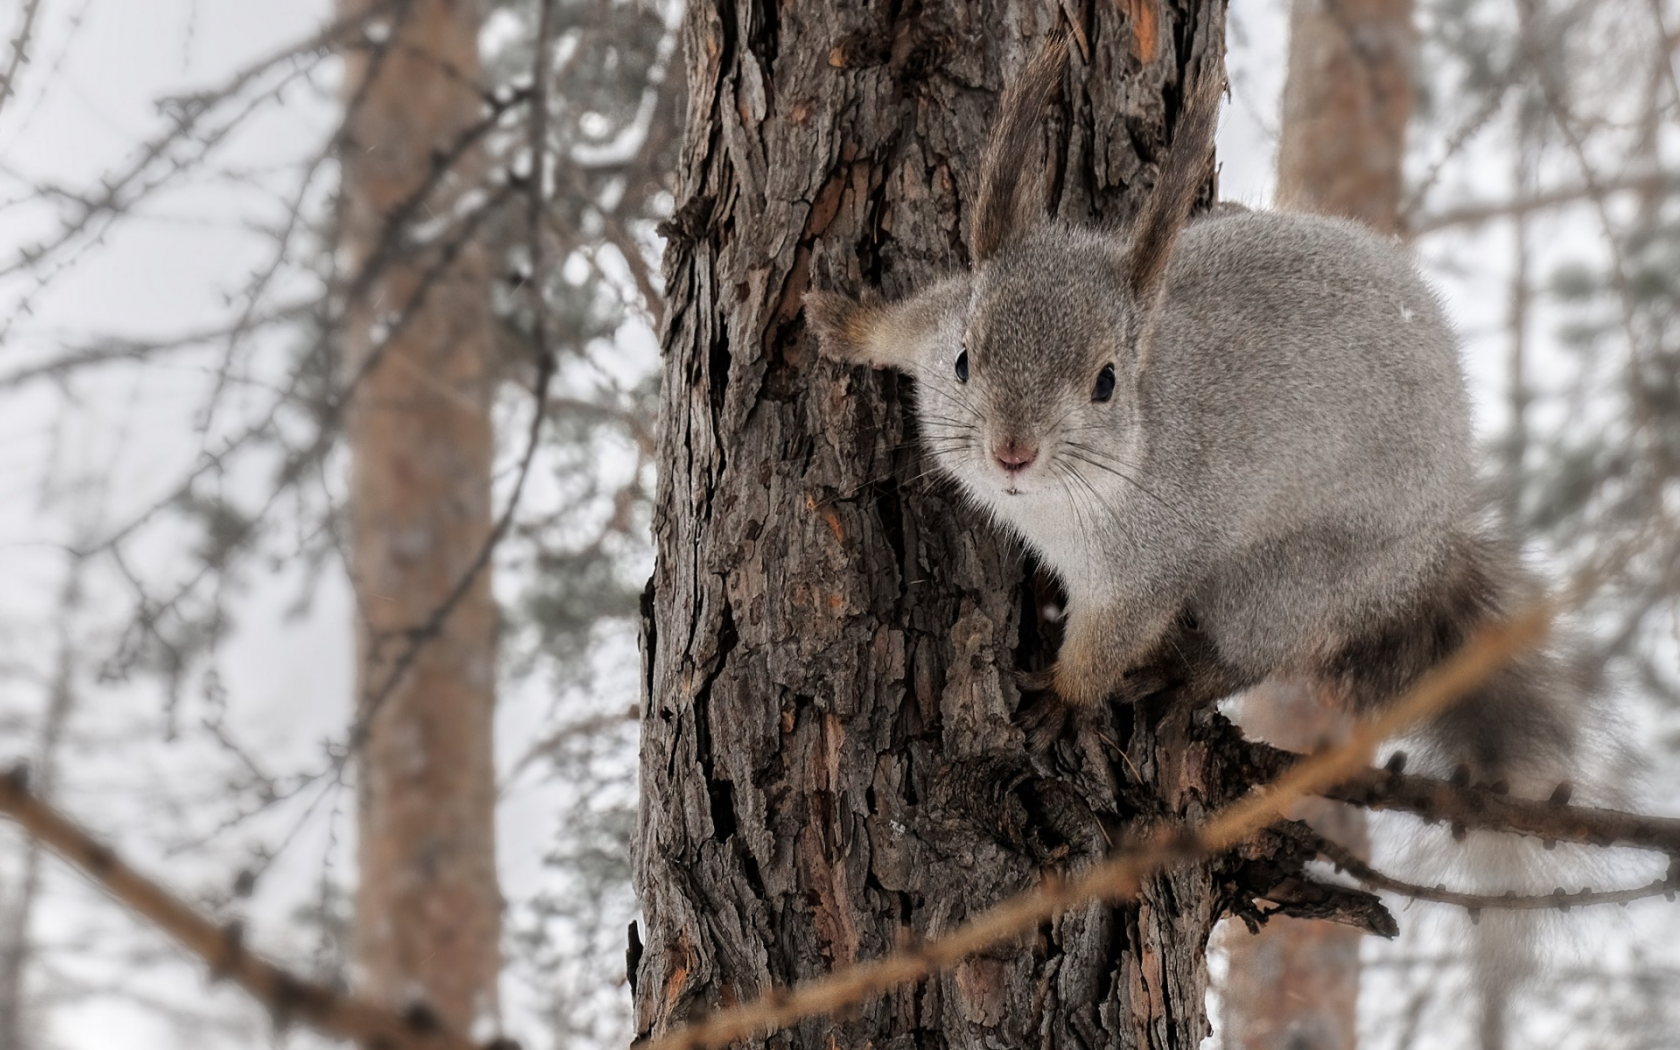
(1286,456)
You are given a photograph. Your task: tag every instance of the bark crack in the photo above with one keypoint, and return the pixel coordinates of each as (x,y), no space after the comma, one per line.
(720,793)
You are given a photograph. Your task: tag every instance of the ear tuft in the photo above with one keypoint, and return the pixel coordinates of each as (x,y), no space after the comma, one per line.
(1003,206)
(842,326)
(1186,168)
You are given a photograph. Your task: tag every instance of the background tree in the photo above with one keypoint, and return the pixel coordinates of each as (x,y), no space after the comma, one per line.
(1342,144)
(428,909)
(259,514)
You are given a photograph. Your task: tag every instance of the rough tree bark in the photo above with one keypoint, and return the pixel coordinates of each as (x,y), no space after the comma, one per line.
(829,758)
(428,911)
(1346,102)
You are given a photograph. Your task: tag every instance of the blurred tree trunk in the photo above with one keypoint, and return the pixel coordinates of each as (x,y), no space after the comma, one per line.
(1348,96)
(428,911)
(1295,985)
(829,758)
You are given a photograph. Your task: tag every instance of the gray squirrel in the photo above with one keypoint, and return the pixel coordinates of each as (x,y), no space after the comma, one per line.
(1252,421)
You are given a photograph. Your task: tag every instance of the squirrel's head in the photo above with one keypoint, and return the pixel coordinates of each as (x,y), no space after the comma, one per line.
(1026,370)
(1027,367)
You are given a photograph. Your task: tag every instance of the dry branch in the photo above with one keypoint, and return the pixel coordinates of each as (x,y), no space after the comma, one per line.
(1475,213)
(20,52)
(288,997)
(124,190)
(1558,900)
(1489,808)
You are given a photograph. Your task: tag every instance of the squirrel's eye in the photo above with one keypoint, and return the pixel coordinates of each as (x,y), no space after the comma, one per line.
(962,367)
(1105,384)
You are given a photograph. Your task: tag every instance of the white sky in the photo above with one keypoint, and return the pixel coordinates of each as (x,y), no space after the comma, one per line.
(165,272)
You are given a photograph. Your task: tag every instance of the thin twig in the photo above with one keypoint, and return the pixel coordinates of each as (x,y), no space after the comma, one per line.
(188,111)
(1475,213)
(20,52)
(1558,900)
(1482,808)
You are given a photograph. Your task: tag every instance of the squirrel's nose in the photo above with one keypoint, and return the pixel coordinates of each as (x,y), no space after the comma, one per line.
(1013,456)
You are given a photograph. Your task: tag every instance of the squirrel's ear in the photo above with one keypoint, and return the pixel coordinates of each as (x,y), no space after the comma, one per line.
(1003,205)
(895,336)
(1187,167)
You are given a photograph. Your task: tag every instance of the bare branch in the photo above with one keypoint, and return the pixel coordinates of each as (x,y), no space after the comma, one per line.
(294,213)
(20,52)
(1455,143)
(333,412)
(98,350)
(1558,900)
(288,997)
(127,188)
(1475,213)
(1488,808)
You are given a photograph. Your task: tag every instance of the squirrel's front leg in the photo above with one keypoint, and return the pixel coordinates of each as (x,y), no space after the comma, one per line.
(1100,645)
(1102,649)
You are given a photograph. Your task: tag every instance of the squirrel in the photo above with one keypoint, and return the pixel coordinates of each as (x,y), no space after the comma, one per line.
(1254,422)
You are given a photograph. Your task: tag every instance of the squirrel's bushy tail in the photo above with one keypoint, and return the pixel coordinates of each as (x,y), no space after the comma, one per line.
(1524,726)
(1538,722)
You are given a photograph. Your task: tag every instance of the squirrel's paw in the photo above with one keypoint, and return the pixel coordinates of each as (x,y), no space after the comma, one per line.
(1055,715)
(1051,719)
(1041,681)
(1085,691)
(1140,683)
(1061,711)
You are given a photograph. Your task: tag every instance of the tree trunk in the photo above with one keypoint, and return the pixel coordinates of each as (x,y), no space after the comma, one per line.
(829,758)
(1348,97)
(428,911)
(1346,102)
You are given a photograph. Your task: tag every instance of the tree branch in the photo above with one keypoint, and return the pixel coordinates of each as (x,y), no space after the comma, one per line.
(1558,900)
(287,996)
(20,52)
(1475,213)
(1490,809)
